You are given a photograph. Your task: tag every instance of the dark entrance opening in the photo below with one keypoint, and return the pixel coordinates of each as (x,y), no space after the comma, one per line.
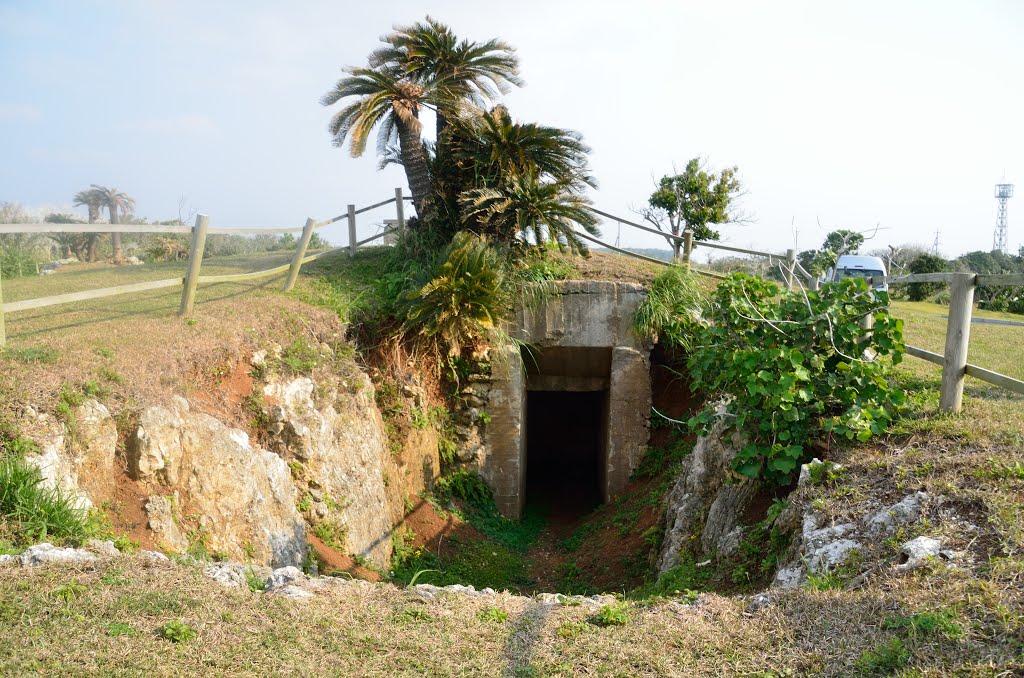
(565,433)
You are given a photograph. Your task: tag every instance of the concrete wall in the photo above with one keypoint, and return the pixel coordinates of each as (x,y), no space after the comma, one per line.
(579,317)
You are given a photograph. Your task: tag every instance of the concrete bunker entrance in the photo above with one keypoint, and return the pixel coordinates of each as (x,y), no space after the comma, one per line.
(567,430)
(577,399)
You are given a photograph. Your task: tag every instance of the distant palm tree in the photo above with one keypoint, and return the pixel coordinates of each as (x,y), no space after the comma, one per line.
(117,203)
(93,200)
(391,103)
(428,51)
(524,205)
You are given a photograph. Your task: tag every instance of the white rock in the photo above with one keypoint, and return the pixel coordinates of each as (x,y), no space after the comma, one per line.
(805,470)
(284,576)
(760,602)
(293,592)
(920,551)
(153,555)
(104,549)
(48,553)
(789,577)
(228,574)
(8,560)
(907,510)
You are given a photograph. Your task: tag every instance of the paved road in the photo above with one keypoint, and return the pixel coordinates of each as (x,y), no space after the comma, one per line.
(991,321)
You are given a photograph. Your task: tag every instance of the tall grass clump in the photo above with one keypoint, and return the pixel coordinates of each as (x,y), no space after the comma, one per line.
(31,512)
(672,308)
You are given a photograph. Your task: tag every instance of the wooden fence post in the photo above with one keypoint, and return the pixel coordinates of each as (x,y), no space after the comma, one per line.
(790,272)
(352,230)
(3,334)
(195,261)
(687,247)
(958,336)
(400,209)
(300,252)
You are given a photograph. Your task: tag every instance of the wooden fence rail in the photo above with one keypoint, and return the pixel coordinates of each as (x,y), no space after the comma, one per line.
(193,277)
(958,333)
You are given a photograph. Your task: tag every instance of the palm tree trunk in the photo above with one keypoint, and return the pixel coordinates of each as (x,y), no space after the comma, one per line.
(115,238)
(414,159)
(90,244)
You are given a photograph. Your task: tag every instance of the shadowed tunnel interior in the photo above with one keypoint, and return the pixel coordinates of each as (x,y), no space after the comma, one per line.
(564,440)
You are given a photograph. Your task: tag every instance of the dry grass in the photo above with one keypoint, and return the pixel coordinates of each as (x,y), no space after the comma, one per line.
(112,628)
(139,351)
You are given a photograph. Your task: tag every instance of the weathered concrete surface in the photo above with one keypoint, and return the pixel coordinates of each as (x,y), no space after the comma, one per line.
(629,405)
(585,313)
(504,466)
(583,341)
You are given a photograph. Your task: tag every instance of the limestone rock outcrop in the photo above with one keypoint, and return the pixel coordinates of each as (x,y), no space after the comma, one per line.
(706,503)
(76,458)
(337,450)
(240,497)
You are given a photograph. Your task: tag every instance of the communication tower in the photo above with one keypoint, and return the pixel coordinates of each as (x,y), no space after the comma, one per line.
(1003,193)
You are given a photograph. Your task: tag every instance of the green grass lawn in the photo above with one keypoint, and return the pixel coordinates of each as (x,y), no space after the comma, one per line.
(43,322)
(989,412)
(994,347)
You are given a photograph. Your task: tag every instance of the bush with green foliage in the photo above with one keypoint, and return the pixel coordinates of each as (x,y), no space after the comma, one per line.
(794,366)
(672,309)
(465,298)
(926,263)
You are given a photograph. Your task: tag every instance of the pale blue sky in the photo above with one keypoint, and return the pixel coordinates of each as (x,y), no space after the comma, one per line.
(903,113)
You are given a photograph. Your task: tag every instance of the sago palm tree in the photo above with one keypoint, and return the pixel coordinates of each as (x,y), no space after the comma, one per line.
(492,146)
(390,102)
(92,199)
(117,203)
(429,51)
(524,205)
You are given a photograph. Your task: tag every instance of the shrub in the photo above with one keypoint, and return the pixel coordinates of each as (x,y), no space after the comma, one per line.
(672,308)
(794,366)
(34,513)
(465,298)
(926,263)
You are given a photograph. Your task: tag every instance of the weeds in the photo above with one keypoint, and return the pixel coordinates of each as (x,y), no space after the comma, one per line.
(884,659)
(177,632)
(940,622)
(34,513)
(616,614)
(492,614)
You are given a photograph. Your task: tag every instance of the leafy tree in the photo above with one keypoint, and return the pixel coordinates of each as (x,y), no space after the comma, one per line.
(897,258)
(926,263)
(429,51)
(692,201)
(92,200)
(117,203)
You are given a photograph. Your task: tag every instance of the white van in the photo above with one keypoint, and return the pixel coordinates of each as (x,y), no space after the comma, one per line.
(857,266)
